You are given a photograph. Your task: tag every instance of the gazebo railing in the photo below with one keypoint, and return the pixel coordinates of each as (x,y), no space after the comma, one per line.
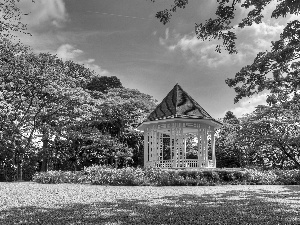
(181,163)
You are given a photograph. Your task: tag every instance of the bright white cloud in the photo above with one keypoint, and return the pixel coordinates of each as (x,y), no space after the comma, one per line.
(258,37)
(44,12)
(69,52)
(197,51)
(246,106)
(250,41)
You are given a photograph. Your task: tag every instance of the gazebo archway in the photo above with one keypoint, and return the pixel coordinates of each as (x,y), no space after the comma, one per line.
(175,119)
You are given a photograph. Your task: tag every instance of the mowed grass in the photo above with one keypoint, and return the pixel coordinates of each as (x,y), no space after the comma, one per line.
(32,203)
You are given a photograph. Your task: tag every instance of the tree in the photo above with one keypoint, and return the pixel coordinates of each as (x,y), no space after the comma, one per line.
(228,151)
(282,61)
(104,83)
(278,72)
(40,96)
(221,28)
(123,109)
(230,118)
(273,134)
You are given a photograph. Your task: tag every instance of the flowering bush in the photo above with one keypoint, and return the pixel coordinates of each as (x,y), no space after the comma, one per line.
(288,177)
(261,177)
(111,176)
(55,177)
(102,175)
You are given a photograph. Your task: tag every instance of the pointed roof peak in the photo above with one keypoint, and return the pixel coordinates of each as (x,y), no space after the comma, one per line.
(178,104)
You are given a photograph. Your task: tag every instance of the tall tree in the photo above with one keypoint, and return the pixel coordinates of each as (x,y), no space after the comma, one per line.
(228,150)
(272,133)
(40,95)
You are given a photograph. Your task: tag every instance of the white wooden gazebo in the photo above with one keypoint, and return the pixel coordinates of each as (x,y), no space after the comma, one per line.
(166,131)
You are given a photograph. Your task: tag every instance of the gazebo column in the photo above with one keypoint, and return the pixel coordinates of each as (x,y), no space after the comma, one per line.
(146,146)
(160,147)
(200,149)
(175,144)
(206,153)
(150,146)
(180,145)
(213,147)
(154,149)
(204,148)
(184,147)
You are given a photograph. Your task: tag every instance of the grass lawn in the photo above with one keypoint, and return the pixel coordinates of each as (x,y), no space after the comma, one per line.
(32,203)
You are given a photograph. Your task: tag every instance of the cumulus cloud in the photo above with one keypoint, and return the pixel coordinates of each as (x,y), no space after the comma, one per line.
(258,37)
(44,12)
(197,51)
(69,52)
(250,41)
(246,106)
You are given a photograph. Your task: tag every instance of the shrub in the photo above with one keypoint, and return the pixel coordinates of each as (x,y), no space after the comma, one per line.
(101,175)
(55,177)
(261,177)
(288,177)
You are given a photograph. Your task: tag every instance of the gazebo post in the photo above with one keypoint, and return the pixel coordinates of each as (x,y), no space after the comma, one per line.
(203,143)
(212,134)
(206,147)
(154,151)
(146,147)
(199,135)
(150,146)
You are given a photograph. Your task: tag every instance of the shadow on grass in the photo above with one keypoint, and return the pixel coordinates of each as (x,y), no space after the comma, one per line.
(231,207)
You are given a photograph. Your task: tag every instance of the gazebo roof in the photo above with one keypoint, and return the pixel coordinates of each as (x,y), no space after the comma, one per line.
(178,104)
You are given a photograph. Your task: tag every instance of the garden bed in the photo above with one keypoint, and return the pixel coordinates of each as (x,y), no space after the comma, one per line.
(159,177)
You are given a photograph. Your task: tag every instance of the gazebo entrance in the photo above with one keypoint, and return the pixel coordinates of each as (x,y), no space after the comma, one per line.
(176,127)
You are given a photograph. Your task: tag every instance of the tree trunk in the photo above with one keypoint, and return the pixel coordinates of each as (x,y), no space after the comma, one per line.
(288,154)
(45,147)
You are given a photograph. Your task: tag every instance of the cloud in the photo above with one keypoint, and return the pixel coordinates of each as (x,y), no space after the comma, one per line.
(197,51)
(246,106)
(69,52)
(44,12)
(250,41)
(258,37)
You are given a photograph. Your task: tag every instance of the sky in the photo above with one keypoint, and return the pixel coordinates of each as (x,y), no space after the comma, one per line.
(124,39)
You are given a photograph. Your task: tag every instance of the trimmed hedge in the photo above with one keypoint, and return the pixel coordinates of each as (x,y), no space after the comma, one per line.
(100,175)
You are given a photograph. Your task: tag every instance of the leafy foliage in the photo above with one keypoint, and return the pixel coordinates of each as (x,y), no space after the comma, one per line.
(282,61)
(104,83)
(228,150)
(45,100)
(272,132)
(102,175)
